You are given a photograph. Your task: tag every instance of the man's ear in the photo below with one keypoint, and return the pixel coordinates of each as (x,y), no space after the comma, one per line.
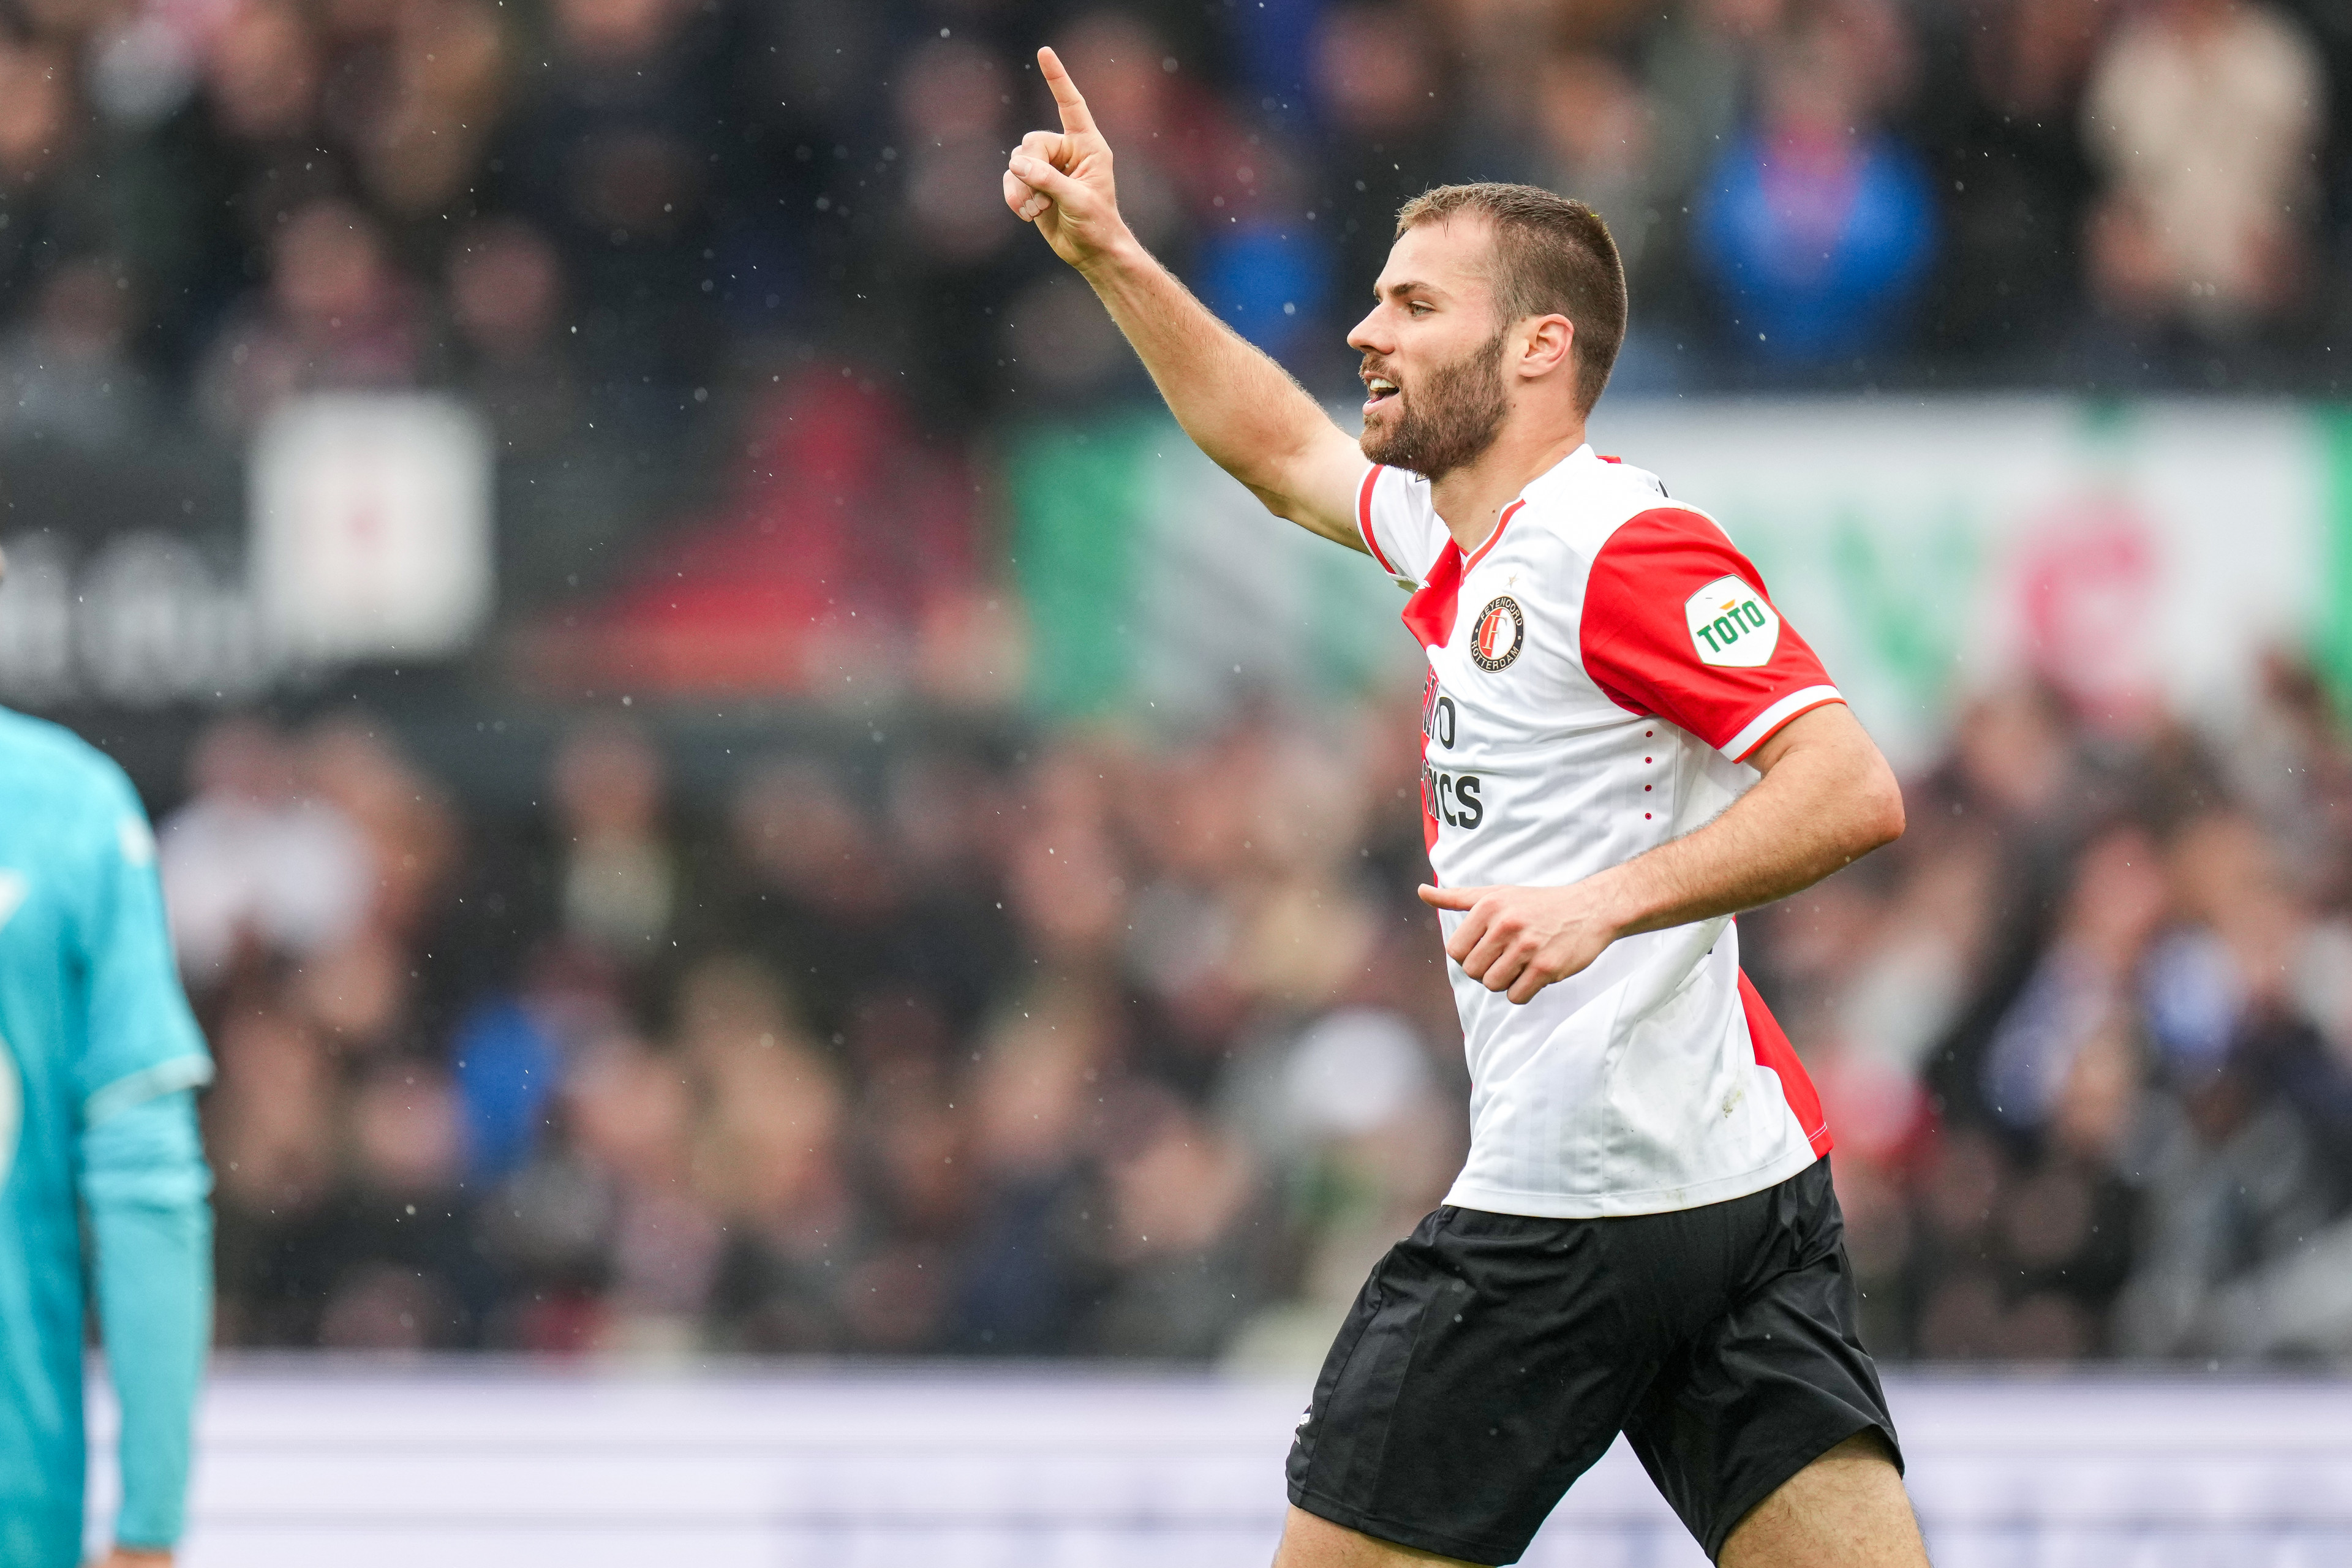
(1548,342)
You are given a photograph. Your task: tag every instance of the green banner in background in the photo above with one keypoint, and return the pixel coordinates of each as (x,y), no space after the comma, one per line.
(1080,494)
(1156,585)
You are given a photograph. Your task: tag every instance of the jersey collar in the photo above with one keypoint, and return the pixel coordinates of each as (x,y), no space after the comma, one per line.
(1559,472)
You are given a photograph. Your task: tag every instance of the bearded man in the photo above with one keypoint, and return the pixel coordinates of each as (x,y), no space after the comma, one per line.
(1624,746)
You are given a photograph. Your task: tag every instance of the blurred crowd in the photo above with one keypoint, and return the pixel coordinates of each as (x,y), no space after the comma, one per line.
(585,210)
(2085,1039)
(1089,1044)
(1094,1048)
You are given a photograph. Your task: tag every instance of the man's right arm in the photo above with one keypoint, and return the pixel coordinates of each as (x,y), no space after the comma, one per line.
(1237,405)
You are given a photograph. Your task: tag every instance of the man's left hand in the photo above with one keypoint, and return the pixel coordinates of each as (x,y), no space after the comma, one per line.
(1520,940)
(136,1557)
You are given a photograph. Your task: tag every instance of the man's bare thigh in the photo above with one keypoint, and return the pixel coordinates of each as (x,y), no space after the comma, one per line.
(1845,1509)
(1310,1541)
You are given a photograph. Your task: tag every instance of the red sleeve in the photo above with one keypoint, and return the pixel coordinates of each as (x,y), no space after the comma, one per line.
(1676,623)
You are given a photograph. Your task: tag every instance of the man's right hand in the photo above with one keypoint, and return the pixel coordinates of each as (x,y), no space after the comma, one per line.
(1238,406)
(1061,181)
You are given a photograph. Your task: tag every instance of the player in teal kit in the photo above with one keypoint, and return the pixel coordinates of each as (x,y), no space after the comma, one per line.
(98,1062)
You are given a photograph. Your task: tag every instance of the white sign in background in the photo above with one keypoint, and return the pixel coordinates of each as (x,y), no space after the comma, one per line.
(2140,555)
(369,539)
(460,1462)
(372,530)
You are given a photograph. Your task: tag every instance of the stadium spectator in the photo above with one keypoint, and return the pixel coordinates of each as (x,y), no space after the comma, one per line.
(1816,229)
(2018,181)
(405,1223)
(422,125)
(236,161)
(606,155)
(1384,104)
(507,300)
(618,880)
(1702,62)
(65,373)
(256,866)
(337,316)
(45,191)
(807,882)
(1177,135)
(2203,116)
(1597,133)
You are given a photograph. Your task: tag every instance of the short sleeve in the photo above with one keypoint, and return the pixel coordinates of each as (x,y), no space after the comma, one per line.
(141,1039)
(1399,526)
(1676,623)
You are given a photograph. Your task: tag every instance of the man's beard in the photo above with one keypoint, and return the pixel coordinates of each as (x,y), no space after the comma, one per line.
(1451,418)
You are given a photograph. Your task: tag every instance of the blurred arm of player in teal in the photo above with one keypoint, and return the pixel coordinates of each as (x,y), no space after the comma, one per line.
(143,1183)
(99,1059)
(1238,406)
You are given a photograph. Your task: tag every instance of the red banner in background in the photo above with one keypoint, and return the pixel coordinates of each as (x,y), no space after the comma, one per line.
(842,553)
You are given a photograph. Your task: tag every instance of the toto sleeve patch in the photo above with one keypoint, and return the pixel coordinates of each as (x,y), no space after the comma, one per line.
(1731,624)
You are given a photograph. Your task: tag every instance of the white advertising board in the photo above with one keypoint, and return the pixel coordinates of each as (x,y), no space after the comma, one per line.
(460,1462)
(372,527)
(2139,556)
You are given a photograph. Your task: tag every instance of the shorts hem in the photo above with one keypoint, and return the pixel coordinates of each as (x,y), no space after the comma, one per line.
(1738,1514)
(1398,1533)
(1469,1194)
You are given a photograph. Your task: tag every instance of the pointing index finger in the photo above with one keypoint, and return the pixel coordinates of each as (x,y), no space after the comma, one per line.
(1076,121)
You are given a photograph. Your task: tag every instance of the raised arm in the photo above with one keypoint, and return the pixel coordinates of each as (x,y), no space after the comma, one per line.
(1237,405)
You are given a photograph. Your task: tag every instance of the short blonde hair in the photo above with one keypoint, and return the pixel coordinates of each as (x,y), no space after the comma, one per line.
(1553,255)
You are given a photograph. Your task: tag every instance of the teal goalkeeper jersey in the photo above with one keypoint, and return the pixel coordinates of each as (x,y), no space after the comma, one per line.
(92,1021)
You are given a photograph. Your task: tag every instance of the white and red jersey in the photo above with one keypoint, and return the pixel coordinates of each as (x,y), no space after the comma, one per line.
(1599,670)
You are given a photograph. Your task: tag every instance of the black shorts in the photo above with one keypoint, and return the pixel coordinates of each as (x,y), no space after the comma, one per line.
(1491,1359)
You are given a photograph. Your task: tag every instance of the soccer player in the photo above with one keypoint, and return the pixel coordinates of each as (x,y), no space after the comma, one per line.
(100,1059)
(1623,744)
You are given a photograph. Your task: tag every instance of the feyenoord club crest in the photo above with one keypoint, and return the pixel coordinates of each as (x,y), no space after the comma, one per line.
(1495,640)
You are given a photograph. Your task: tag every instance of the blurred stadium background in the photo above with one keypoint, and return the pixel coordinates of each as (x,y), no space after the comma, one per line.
(729,786)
